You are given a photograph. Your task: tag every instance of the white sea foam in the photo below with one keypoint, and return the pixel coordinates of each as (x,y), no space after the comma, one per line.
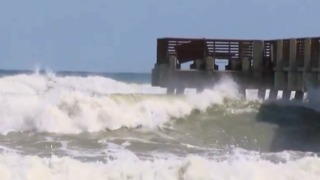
(14,166)
(48,103)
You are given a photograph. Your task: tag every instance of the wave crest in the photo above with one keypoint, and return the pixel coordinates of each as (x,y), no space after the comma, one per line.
(49,103)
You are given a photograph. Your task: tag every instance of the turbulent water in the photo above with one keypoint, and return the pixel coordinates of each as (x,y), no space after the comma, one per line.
(116,126)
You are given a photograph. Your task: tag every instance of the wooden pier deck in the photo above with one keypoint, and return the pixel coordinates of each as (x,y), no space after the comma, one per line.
(281,64)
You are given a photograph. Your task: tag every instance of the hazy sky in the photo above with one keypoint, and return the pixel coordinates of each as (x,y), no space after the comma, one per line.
(120,36)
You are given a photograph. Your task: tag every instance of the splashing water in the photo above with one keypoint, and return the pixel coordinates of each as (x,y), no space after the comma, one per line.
(95,127)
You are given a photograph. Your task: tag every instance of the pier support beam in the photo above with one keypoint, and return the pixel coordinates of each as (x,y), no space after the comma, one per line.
(245,64)
(292,72)
(170,78)
(235,64)
(279,74)
(309,78)
(273,94)
(198,64)
(209,63)
(298,95)
(258,66)
(258,58)
(286,94)
(246,67)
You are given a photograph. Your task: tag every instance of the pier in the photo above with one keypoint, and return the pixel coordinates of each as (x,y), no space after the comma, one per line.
(289,65)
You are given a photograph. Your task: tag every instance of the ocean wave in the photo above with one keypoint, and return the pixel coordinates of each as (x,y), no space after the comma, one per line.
(72,104)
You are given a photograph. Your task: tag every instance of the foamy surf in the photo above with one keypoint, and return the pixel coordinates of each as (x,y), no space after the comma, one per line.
(49,103)
(192,167)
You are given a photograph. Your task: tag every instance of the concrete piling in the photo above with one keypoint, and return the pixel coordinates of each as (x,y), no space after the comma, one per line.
(209,63)
(292,70)
(286,94)
(245,64)
(280,75)
(298,95)
(257,58)
(273,94)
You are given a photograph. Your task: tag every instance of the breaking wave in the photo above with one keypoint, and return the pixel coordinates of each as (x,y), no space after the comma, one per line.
(73,104)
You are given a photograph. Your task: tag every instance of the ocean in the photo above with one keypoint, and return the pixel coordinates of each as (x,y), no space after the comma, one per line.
(80,126)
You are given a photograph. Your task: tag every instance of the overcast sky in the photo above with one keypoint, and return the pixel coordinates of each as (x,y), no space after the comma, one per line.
(120,36)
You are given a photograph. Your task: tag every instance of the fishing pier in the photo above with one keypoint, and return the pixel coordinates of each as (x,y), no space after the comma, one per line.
(281,64)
